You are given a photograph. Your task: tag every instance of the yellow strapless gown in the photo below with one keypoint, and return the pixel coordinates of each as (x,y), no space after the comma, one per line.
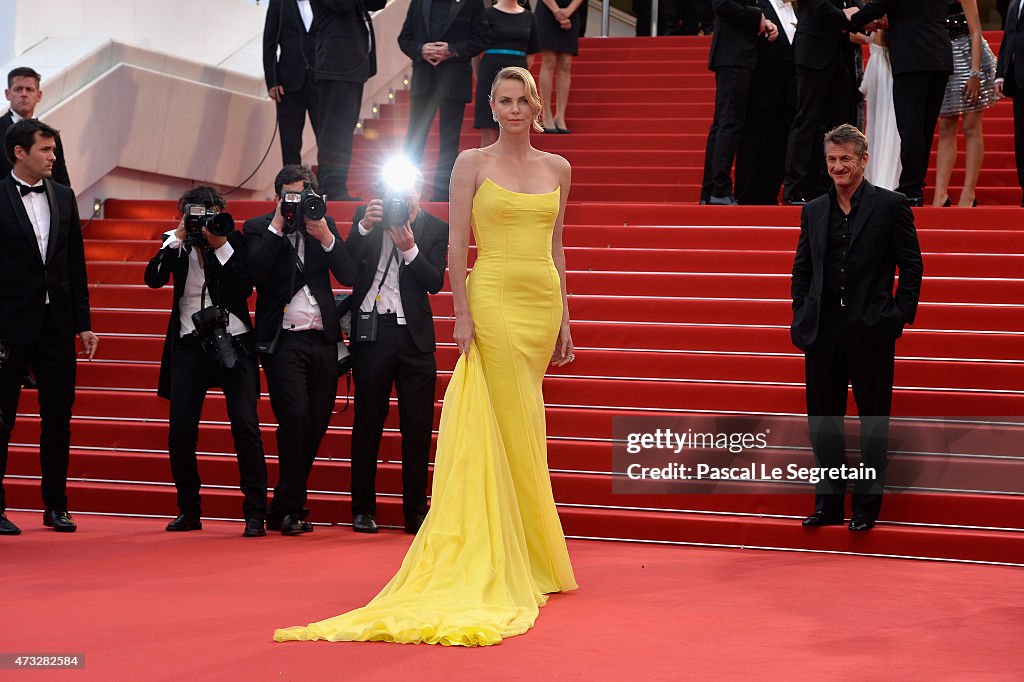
(492,545)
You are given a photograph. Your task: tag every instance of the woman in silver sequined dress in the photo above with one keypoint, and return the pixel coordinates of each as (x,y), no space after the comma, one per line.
(970,90)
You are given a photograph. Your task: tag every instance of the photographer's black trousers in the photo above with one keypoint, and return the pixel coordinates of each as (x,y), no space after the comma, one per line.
(52,360)
(393,359)
(193,371)
(302,375)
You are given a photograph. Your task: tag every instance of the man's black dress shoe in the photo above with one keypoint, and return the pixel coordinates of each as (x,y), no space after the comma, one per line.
(60,521)
(727,200)
(818,519)
(861,523)
(253,528)
(29,382)
(412,525)
(185,522)
(7,527)
(291,525)
(794,201)
(275,524)
(364,523)
(915,202)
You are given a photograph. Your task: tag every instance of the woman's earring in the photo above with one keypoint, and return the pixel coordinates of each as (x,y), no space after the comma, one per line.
(494,116)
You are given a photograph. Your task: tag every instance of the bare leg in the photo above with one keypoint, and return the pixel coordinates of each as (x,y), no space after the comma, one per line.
(488,136)
(562,87)
(975,146)
(547,77)
(945,157)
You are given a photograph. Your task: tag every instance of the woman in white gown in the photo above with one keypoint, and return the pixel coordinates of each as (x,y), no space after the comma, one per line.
(884,166)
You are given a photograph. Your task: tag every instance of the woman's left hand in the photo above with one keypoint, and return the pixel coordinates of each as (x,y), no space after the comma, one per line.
(972,89)
(564,352)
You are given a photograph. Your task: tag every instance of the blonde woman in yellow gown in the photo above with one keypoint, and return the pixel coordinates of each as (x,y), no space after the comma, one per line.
(492,546)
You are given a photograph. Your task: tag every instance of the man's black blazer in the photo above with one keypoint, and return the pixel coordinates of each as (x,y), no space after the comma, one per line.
(284,28)
(917,35)
(774,84)
(734,43)
(271,263)
(25,280)
(228,286)
(465,30)
(60,167)
(346,49)
(424,275)
(883,237)
(1011,50)
(822,34)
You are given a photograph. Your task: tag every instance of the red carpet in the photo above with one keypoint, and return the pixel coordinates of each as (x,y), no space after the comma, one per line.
(144,604)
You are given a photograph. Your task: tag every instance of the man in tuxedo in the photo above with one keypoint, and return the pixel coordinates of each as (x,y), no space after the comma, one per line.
(441,37)
(1010,80)
(289,74)
(922,60)
(397,267)
(846,319)
(738,26)
(761,156)
(24,95)
(209,274)
(345,58)
(823,56)
(45,304)
(297,332)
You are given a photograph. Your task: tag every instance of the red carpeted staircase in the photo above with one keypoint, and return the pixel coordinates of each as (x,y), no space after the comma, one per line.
(677,309)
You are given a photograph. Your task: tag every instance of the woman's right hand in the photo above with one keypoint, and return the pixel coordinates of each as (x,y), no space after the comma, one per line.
(463,333)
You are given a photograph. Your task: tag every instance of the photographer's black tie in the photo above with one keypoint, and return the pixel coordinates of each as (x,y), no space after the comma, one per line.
(25,189)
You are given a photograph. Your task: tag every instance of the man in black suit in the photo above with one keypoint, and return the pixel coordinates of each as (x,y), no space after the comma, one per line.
(1010,80)
(823,56)
(397,268)
(846,319)
(346,57)
(441,37)
(297,332)
(738,25)
(922,59)
(289,75)
(24,95)
(209,272)
(761,156)
(43,306)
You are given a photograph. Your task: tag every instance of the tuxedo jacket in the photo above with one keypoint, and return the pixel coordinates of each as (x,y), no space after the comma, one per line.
(345,46)
(917,35)
(284,29)
(26,278)
(228,286)
(736,34)
(465,30)
(423,276)
(60,167)
(1011,51)
(774,83)
(822,34)
(882,238)
(271,264)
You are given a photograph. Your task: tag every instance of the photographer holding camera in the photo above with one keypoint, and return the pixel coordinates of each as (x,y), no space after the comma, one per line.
(291,254)
(400,251)
(209,343)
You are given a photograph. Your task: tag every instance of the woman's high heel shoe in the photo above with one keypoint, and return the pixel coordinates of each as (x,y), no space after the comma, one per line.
(948,203)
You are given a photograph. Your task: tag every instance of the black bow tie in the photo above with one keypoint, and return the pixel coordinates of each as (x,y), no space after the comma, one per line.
(25,189)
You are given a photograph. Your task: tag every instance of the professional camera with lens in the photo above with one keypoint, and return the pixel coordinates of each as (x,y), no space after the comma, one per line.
(396,210)
(297,207)
(198,216)
(212,329)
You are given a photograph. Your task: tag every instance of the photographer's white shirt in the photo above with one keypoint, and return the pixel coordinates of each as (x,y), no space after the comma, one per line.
(191,296)
(302,312)
(390,295)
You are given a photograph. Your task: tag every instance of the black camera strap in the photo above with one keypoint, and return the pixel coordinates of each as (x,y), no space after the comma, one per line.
(393,256)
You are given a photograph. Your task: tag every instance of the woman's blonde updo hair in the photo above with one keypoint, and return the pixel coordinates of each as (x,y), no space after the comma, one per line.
(518,73)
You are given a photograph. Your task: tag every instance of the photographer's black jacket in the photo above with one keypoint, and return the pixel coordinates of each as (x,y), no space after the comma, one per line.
(227,285)
(424,275)
(346,48)
(271,262)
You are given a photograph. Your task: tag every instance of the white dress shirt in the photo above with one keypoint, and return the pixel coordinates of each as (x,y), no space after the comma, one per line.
(14,117)
(191,298)
(390,298)
(37,205)
(302,312)
(306,12)
(787,15)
